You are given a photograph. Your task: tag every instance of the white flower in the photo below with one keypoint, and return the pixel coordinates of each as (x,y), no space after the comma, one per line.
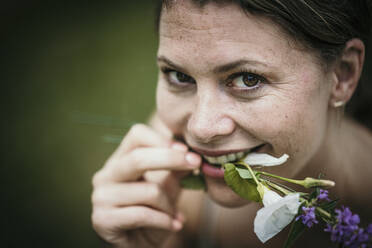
(276,214)
(270,197)
(264,159)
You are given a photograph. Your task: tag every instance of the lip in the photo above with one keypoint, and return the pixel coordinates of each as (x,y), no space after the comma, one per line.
(216,153)
(212,171)
(224,152)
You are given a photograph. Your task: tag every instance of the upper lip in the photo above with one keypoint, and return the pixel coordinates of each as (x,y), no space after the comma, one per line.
(221,152)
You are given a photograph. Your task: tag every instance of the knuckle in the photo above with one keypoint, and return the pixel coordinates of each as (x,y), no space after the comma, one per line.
(132,137)
(155,192)
(135,158)
(100,219)
(98,196)
(137,128)
(97,178)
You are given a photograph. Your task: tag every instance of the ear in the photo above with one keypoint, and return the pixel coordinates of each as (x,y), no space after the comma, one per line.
(347,72)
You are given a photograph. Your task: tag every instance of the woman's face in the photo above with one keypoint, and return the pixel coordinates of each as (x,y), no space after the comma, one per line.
(230,82)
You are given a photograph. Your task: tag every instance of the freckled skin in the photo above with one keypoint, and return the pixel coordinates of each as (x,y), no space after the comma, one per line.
(291,113)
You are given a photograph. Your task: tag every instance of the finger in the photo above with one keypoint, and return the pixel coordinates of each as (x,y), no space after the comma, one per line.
(130,218)
(133,165)
(141,135)
(168,180)
(137,193)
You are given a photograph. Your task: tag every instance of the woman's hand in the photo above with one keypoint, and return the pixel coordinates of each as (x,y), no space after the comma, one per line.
(134,200)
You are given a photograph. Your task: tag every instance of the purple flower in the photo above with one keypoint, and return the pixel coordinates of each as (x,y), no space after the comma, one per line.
(346,230)
(336,234)
(308,217)
(349,219)
(323,195)
(369,229)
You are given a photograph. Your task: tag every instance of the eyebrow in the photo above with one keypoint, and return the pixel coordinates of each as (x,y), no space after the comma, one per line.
(219,69)
(170,63)
(232,65)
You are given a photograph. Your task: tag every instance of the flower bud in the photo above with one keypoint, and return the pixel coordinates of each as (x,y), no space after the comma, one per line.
(310,182)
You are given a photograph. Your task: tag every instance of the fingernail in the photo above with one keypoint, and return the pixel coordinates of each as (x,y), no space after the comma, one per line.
(193,159)
(180,216)
(177,225)
(179,147)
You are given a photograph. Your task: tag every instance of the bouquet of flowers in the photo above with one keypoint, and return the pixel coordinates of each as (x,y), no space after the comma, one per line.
(283,205)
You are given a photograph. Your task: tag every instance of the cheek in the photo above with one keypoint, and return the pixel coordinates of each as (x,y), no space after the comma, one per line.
(298,130)
(171,110)
(294,123)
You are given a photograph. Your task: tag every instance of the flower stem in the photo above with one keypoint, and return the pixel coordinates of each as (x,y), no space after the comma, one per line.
(252,173)
(277,187)
(323,213)
(308,182)
(281,178)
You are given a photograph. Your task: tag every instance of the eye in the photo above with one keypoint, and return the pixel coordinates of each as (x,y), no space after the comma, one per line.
(246,80)
(177,77)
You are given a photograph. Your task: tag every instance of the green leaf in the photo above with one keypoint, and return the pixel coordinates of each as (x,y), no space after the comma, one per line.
(329,206)
(245,188)
(193,182)
(297,229)
(244,173)
(314,194)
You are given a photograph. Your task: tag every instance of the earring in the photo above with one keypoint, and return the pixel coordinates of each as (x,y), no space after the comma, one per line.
(338,104)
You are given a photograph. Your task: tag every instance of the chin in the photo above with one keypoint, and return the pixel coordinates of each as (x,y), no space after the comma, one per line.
(220,193)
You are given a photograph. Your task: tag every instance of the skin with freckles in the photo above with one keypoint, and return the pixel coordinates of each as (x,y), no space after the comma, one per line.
(230,81)
(287,110)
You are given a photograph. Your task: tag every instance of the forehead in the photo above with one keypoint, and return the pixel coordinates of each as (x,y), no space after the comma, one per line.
(212,17)
(225,31)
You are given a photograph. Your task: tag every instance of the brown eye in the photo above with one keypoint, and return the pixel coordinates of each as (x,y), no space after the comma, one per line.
(179,77)
(250,80)
(246,80)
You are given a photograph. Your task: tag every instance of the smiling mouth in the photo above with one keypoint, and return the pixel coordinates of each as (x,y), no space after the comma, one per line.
(229,157)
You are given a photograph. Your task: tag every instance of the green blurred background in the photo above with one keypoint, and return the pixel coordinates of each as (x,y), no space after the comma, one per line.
(77,75)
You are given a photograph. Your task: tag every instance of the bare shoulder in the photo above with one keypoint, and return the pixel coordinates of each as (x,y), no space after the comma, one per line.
(356,182)
(358,140)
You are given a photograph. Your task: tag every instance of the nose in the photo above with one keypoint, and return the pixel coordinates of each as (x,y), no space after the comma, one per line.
(210,119)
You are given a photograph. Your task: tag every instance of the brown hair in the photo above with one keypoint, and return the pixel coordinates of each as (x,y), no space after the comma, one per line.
(323,26)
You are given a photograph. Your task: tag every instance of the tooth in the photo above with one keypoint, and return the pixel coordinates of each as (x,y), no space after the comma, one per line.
(212,160)
(231,157)
(239,155)
(222,159)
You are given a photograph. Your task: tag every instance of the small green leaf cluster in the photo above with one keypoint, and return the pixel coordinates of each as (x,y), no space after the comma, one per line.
(252,184)
(192,181)
(241,181)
